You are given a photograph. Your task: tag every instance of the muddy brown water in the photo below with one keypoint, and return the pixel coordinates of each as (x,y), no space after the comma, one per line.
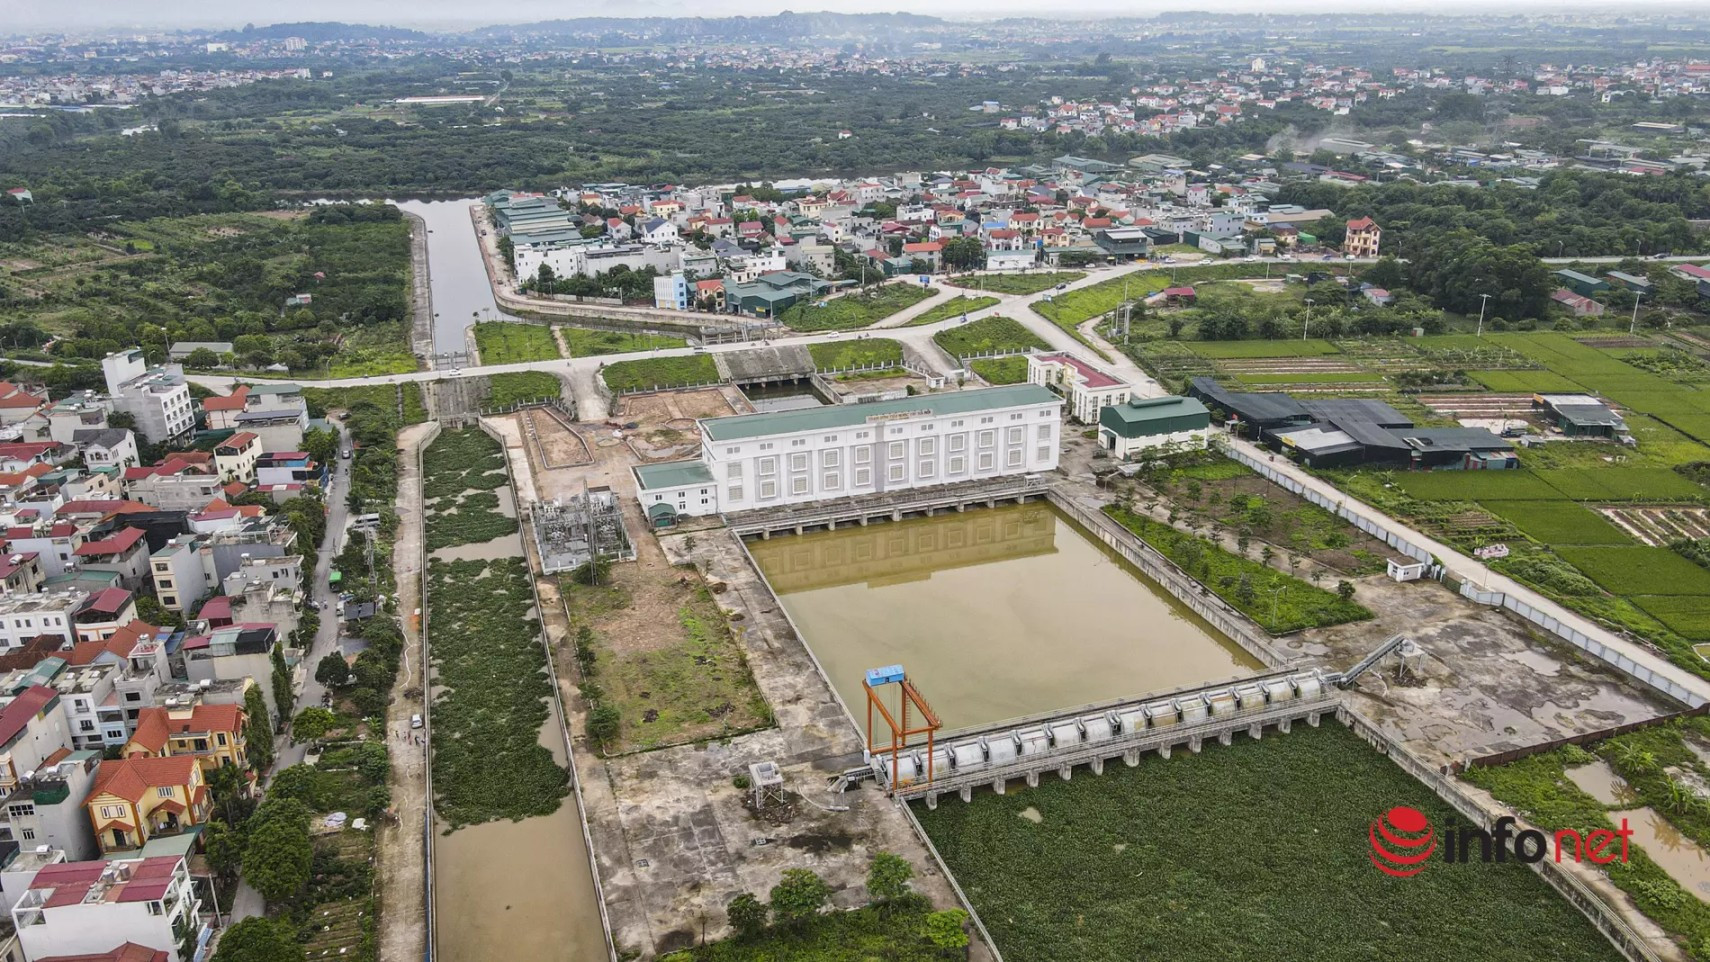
(1600,782)
(1678,855)
(994,613)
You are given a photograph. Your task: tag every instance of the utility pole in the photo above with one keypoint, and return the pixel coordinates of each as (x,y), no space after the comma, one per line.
(1484,301)
(1308,325)
(1634,327)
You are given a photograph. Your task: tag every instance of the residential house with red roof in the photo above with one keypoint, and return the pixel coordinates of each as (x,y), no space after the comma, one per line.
(123,551)
(222,412)
(18,405)
(20,455)
(1364,236)
(1088,389)
(136,799)
(103,613)
(20,571)
(126,910)
(212,734)
(180,483)
(138,650)
(32,729)
(235,457)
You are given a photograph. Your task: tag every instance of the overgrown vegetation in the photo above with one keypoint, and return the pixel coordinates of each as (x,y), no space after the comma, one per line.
(1017,283)
(461,471)
(660,372)
(861,308)
(1251,852)
(867,352)
(988,335)
(518,387)
(509,342)
(954,307)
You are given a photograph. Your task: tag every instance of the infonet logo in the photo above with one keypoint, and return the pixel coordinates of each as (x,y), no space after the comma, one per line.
(1403,842)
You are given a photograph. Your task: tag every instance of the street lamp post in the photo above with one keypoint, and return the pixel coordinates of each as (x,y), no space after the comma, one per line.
(1634,326)
(1484,301)
(1306,326)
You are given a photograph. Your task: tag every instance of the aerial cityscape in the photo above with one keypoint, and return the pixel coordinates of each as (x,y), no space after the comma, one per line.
(849,485)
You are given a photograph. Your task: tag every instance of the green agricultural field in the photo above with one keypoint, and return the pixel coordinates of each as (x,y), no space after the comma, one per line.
(1313,377)
(854,310)
(660,372)
(1085,303)
(1249,586)
(506,342)
(1018,283)
(995,333)
(1639,570)
(954,307)
(1001,370)
(1521,382)
(1556,522)
(1604,483)
(1256,852)
(520,386)
(1475,486)
(1686,615)
(1230,350)
(587,342)
(862,353)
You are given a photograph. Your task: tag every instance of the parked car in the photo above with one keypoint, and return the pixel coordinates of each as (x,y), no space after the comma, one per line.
(416,721)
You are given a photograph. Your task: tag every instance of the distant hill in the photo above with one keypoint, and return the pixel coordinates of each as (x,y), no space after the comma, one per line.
(321,32)
(783,26)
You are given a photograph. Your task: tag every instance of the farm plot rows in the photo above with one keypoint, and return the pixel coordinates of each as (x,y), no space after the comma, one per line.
(1661,525)
(1551,484)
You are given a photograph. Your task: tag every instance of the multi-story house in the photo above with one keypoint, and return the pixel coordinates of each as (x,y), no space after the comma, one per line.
(235,457)
(92,711)
(103,614)
(55,544)
(136,799)
(47,808)
(123,552)
(88,909)
(287,468)
(107,447)
(138,651)
(23,617)
(20,571)
(32,730)
(1364,236)
(158,399)
(795,457)
(176,485)
(1087,389)
(212,734)
(241,650)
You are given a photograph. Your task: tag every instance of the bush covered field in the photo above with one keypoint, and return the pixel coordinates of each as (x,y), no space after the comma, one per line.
(1254,852)
(1556,522)
(1518,382)
(509,342)
(587,342)
(519,386)
(995,333)
(1315,347)
(1298,605)
(660,372)
(855,309)
(1639,570)
(861,353)
(954,307)
(1017,283)
(1001,370)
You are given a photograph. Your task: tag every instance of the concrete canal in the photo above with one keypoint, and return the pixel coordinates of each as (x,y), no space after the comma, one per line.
(995,613)
(461,294)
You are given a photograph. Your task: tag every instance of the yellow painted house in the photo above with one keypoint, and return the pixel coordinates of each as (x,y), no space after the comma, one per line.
(214,734)
(136,799)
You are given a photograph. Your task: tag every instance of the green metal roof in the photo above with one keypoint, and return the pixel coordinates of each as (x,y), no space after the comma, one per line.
(741,426)
(1159,415)
(673,474)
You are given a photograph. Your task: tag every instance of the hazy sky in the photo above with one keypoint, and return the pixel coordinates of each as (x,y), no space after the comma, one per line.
(49,14)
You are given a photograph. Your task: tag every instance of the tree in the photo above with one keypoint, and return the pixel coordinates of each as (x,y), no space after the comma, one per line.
(332,670)
(150,610)
(202,358)
(799,896)
(224,847)
(945,930)
(322,444)
(747,915)
(1387,273)
(604,722)
(260,940)
(964,253)
(258,729)
(888,876)
(1345,590)
(278,856)
(312,723)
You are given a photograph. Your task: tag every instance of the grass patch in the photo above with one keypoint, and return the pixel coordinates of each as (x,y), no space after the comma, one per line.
(656,373)
(1686,615)
(587,342)
(1554,522)
(1604,483)
(1245,584)
(1639,570)
(892,933)
(1521,382)
(1085,303)
(1475,486)
(1250,853)
(1001,370)
(369,362)
(1017,283)
(988,334)
(954,307)
(1315,347)
(519,386)
(854,310)
(507,342)
(863,353)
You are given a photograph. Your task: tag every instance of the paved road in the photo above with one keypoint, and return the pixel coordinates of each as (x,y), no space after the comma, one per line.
(248,903)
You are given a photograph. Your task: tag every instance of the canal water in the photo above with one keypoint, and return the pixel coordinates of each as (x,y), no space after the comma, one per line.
(516,890)
(994,613)
(461,293)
